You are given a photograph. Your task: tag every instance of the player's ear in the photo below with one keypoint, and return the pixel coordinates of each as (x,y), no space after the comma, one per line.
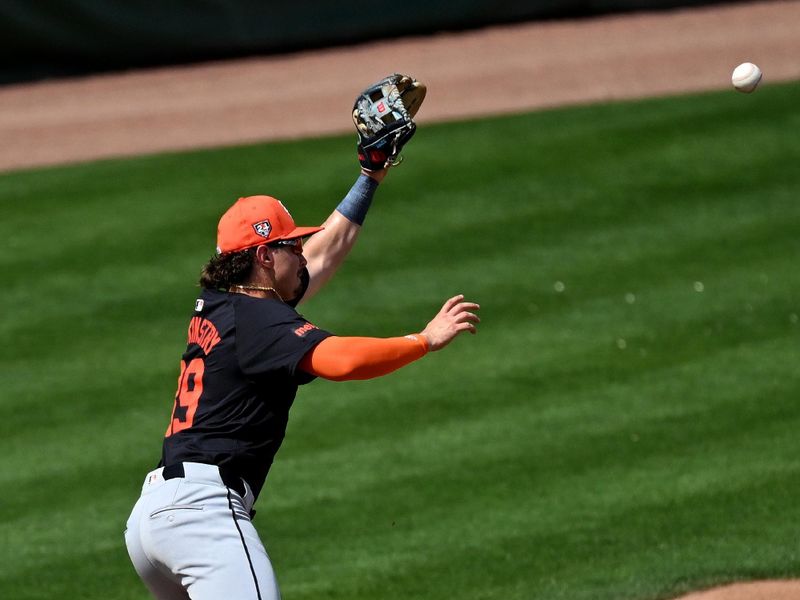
(264,256)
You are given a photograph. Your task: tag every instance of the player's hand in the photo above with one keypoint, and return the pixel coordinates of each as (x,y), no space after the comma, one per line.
(384,118)
(455,317)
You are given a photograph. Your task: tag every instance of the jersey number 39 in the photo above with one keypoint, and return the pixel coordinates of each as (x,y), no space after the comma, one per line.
(190,388)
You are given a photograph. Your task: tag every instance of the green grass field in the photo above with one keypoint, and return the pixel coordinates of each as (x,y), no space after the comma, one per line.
(624,426)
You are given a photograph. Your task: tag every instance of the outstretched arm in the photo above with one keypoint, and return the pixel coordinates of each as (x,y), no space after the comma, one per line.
(349,358)
(326,250)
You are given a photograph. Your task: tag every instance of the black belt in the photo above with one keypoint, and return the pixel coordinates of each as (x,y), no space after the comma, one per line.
(229,478)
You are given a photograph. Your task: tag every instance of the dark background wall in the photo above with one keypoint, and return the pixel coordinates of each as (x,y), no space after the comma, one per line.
(46,38)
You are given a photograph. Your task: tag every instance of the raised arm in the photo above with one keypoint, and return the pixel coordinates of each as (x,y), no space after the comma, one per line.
(326,250)
(383,115)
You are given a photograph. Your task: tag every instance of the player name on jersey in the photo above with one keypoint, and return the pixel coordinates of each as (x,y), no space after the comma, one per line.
(203,333)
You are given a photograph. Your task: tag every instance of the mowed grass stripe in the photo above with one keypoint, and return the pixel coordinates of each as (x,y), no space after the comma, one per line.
(627,435)
(514,507)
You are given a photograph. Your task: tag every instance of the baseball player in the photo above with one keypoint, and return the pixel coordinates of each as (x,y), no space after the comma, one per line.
(190,534)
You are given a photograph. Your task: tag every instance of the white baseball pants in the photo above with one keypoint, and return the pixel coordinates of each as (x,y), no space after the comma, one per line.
(192,538)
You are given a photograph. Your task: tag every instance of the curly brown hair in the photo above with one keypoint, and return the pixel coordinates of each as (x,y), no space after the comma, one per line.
(226,270)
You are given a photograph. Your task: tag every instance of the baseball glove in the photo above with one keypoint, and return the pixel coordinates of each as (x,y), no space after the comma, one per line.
(384,118)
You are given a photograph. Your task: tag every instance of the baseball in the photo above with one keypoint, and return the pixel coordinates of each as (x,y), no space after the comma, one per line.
(745,77)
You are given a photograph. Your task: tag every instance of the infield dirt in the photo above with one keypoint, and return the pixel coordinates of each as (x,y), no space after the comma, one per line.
(494,70)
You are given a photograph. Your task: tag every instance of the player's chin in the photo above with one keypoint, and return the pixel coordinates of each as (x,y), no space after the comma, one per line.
(303,279)
(300,289)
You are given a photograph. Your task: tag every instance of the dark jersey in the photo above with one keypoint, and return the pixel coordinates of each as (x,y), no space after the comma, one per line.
(238,379)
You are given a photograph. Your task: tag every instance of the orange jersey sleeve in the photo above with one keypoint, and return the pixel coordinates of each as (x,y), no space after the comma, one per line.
(347,358)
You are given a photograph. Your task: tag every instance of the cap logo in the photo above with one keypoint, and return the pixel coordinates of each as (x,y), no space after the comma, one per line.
(263,228)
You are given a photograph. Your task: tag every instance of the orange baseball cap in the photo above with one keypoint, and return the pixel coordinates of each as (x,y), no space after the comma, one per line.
(257,220)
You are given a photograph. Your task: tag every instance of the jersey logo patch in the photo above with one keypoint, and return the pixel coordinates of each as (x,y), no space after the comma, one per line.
(304,329)
(263,228)
(198,304)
